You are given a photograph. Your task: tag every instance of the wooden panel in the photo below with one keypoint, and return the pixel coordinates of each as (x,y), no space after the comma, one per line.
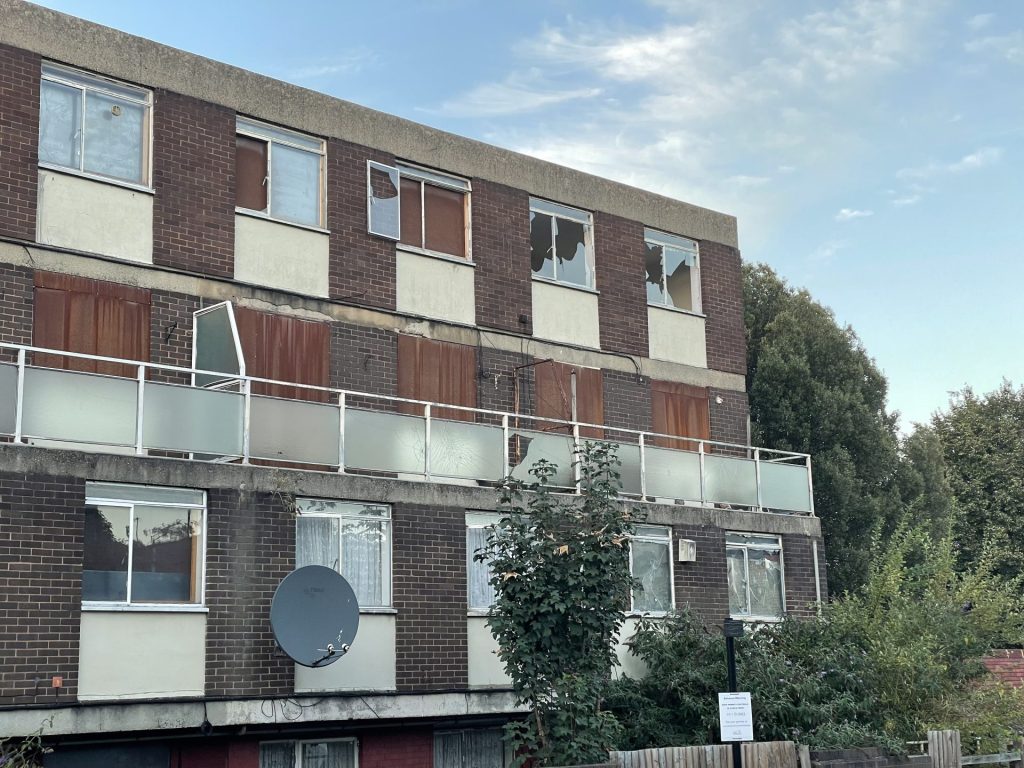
(250,173)
(49,325)
(437,371)
(285,349)
(680,409)
(553,385)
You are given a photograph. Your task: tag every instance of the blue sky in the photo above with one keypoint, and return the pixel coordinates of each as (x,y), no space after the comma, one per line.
(871,149)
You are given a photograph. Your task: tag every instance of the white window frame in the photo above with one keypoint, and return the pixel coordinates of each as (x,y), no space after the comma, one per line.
(586,218)
(298,743)
(763,541)
(665,539)
(387,576)
(127,604)
(273,134)
(665,240)
(478,521)
(85,82)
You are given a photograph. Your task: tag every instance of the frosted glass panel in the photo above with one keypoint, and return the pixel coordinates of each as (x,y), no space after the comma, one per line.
(730,481)
(672,474)
(293,430)
(389,442)
(534,446)
(192,420)
(8,397)
(463,449)
(79,407)
(784,486)
(629,469)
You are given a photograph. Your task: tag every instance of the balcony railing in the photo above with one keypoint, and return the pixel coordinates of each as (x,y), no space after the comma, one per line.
(363,433)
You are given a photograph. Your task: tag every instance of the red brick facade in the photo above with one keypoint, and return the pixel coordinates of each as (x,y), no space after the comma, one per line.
(410,748)
(16,287)
(170,341)
(798,563)
(1008,666)
(622,305)
(501,252)
(19,142)
(721,283)
(194,185)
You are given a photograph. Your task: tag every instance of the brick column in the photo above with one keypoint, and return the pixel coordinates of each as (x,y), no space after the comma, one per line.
(19,141)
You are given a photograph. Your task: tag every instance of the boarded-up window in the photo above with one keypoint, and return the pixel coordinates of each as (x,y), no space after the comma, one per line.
(434,211)
(93,317)
(439,372)
(553,382)
(251,173)
(680,409)
(285,349)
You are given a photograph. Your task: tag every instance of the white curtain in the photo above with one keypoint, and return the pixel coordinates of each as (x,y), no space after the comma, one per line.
(483,749)
(765,574)
(737,581)
(329,754)
(317,542)
(478,574)
(364,550)
(277,755)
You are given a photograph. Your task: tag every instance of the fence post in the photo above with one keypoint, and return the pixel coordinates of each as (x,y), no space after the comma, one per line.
(944,749)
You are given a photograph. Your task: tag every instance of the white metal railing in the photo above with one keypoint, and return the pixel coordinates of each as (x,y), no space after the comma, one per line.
(361,432)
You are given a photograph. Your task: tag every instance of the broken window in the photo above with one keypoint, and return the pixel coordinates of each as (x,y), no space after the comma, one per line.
(279,173)
(561,243)
(673,273)
(650,563)
(756,585)
(424,210)
(93,125)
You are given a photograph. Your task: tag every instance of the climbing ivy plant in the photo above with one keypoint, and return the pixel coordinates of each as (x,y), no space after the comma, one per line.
(560,571)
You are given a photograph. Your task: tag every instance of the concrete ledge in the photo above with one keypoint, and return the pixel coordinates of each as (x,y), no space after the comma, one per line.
(80,43)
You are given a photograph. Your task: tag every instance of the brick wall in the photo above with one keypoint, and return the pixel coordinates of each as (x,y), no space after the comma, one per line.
(362,267)
(250,549)
(619,247)
(364,359)
(499,395)
(721,283)
(41,529)
(729,418)
(1008,666)
(16,292)
(170,338)
(19,142)
(704,584)
(194,182)
(798,559)
(429,583)
(501,250)
(627,401)
(397,748)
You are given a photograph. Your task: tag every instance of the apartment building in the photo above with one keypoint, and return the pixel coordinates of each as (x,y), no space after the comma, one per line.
(246,327)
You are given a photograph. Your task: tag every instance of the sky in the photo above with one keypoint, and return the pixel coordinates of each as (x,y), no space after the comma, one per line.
(871,150)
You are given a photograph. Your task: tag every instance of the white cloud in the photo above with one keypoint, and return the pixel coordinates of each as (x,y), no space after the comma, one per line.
(906,200)
(512,96)
(827,251)
(348,64)
(980,158)
(980,20)
(1009,46)
(848,214)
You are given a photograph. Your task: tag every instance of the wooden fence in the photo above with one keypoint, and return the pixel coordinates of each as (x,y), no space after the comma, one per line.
(761,754)
(945,752)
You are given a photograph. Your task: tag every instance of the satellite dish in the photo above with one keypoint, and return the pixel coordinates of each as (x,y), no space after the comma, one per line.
(314,615)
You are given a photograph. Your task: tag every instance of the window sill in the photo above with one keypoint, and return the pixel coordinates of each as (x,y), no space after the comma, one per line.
(570,286)
(97,178)
(646,614)
(142,608)
(477,613)
(758,619)
(283,222)
(435,255)
(678,310)
(379,611)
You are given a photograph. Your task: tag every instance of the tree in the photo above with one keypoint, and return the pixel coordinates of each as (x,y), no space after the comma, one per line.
(813,389)
(924,486)
(982,441)
(560,571)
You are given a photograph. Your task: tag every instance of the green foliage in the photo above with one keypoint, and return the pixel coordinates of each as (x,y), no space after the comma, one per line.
(814,389)
(560,568)
(923,484)
(879,668)
(982,441)
(22,752)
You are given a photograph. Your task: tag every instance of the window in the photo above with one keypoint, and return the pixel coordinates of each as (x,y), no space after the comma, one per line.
(279,173)
(673,271)
(423,210)
(756,585)
(478,748)
(143,545)
(650,563)
(561,243)
(352,538)
(335,753)
(480,593)
(93,125)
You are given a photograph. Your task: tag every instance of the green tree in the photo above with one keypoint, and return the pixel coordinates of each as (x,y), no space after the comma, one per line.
(813,389)
(982,440)
(924,486)
(560,571)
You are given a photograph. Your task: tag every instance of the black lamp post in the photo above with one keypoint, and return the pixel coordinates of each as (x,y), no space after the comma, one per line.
(733,628)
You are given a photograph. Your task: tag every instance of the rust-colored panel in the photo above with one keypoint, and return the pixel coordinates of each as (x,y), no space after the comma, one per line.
(122,330)
(49,325)
(285,349)
(445,220)
(553,382)
(680,409)
(437,371)
(250,173)
(412,212)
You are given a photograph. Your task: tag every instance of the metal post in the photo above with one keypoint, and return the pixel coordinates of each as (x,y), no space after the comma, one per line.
(733,629)
(504,453)
(817,576)
(19,407)
(246,419)
(426,443)
(810,485)
(643,468)
(757,476)
(703,493)
(341,433)
(140,409)
(575,431)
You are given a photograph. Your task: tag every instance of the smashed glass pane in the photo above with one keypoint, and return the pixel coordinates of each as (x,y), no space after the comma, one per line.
(737,569)
(678,278)
(651,569)
(765,578)
(385,203)
(541,258)
(652,260)
(534,446)
(571,250)
(466,450)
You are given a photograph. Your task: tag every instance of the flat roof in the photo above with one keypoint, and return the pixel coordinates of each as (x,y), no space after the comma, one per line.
(80,43)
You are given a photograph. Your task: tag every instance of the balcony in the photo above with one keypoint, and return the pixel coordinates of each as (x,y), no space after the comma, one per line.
(231,420)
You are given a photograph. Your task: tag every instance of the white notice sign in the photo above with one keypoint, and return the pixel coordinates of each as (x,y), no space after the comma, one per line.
(735,717)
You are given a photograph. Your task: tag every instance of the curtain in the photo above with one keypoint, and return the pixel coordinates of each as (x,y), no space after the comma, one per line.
(364,547)
(448,750)
(329,754)
(481,593)
(279,754)
(316,541)
(484,749)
